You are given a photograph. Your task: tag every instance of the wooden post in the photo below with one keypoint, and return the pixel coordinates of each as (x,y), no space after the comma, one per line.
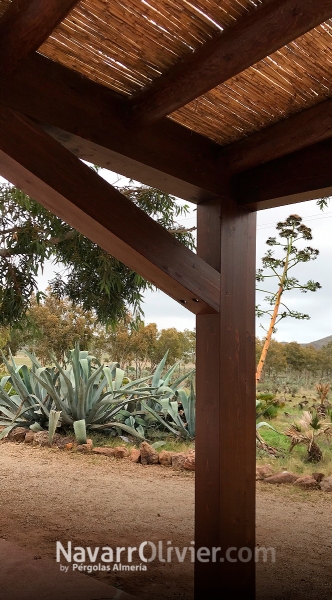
(225,438)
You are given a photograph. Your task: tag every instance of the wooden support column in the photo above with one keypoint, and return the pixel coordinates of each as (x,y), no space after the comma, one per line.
(225,437)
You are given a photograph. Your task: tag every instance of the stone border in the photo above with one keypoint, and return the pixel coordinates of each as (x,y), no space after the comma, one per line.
(145,454)
(316,481)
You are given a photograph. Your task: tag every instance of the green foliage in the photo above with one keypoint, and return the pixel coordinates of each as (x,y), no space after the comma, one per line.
(267,406)
(179,414)
(294,364)
(30,235)
(55,326)
(132,342)
(323,203)
(87,395)
(24,402)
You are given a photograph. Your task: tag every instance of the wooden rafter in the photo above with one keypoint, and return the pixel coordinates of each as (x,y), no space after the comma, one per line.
(302,175)
(303,129)
(26,25)
(93,117)
(251,39)
(90,120)
(41,167)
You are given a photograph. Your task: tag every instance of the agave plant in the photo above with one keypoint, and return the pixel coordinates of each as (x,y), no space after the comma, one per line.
(24,402)
(305,431)
(177,411)
(86,395)
(150,406)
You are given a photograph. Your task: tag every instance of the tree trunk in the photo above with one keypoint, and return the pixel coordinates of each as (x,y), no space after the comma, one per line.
(314,453)
(269,335)
(273,320)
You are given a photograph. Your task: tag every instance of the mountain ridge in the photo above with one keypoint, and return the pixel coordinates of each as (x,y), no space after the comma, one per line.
(318,344)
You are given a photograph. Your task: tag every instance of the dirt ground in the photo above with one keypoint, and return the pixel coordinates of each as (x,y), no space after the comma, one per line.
(48,495)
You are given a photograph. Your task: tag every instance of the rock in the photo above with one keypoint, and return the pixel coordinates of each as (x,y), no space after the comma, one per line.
(117,452)
(120,452)
(85,447)
(29,437)
(41,438)
(307,482)
(149,456)
(283,477)
(135,455)
(318,476)
(17,435)
(165,458)
(326,484)
(189,463)
(103,451)
(263,471)
(178,460)
(65,441)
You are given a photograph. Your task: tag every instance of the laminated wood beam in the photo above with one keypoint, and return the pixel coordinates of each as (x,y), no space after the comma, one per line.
(294,133)
(53,176)
(25,25)
(91,120)
(251,39)
(302,175)
(225,407)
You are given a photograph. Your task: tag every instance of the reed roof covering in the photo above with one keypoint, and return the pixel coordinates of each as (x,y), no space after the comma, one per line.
(127,44)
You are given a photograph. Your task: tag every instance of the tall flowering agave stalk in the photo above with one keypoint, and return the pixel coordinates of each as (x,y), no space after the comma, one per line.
(85,395)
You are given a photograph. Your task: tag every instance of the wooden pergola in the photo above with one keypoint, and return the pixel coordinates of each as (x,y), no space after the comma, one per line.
(225,103)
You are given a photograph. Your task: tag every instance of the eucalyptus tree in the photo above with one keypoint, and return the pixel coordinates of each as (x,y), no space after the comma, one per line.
(30,235)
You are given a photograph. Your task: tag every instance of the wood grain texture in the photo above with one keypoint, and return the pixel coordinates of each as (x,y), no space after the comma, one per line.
(251,39)
(302,175)
(26,25)
(237,396)
(41,167)
(225,440)
(303,129)
(207,466)
(94,125)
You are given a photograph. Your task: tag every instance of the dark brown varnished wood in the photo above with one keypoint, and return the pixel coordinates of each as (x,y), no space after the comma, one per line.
(294,133)
(302,175)
(225,438)
(207,465)
(41,167)
(251,39)
(91,121)
(26,25)
(237,397)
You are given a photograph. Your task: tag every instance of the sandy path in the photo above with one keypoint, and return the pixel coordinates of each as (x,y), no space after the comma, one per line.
(48,495)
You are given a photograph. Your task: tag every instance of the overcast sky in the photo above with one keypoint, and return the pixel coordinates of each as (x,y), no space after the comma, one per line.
(167,313)
(164,311)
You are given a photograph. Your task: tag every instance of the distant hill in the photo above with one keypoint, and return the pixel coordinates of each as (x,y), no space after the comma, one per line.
(318,344)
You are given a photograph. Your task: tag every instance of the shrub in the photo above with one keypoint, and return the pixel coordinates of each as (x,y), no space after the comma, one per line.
(87,395)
